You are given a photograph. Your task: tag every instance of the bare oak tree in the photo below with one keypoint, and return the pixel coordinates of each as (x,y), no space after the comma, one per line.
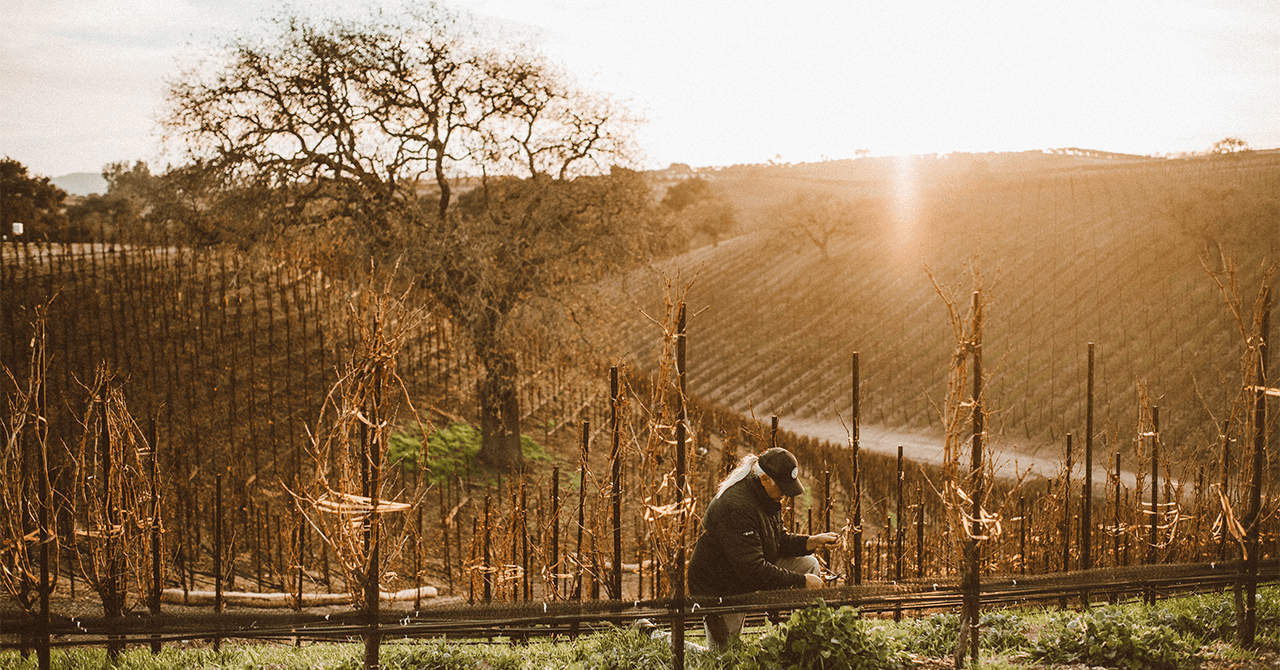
(821,217)
(519,246)
(701,209)
(350,123)
(310,111)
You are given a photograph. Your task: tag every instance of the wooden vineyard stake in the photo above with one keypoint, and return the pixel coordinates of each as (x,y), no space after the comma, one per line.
(524,538)
(1154,516)
(898,534)
(682,420)
(857,479)
(919,531)
(582,507)
(1086,504)
(486,571)
(45,502)
(444,534)
(555,531)
(1022,533)
(217,551)
(1116,529)
(615,489)
(1066,511)
(156,584)
(970,579)
(826,509)
(1253,512)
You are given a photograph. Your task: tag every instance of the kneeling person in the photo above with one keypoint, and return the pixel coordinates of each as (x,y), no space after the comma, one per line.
(744,546)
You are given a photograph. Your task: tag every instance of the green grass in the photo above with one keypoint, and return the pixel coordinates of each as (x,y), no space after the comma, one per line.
(230,657)
(451,451)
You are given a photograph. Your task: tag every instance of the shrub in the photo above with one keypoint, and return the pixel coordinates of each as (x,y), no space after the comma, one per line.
(622,649)
(1113,639)
(1003,630)
(1269,608)
(1204,617)
(1211,617)
(445,655)
(820,637)
(937,635)
(933,636)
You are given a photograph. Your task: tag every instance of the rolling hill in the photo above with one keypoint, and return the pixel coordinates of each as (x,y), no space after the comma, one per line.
(1068,249)
(81,183)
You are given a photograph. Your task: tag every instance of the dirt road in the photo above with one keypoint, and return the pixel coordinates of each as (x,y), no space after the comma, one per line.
(924,447)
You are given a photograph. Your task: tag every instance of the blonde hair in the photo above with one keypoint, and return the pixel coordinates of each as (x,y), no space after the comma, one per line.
(749,465)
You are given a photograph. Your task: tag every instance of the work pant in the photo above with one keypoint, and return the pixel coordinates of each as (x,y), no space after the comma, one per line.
(724,628)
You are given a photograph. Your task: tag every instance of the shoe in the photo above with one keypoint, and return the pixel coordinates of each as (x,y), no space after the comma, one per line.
(646,626)
(655,633)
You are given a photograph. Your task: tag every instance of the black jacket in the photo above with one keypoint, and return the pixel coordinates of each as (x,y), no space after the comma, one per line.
(742,536)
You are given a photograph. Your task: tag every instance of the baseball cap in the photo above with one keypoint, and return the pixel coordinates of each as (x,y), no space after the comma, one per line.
(782,468)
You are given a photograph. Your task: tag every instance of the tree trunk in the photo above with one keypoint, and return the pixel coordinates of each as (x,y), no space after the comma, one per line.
(500,411)
(443,183)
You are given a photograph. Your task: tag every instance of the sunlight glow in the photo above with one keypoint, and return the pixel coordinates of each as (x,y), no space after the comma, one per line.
(905,204)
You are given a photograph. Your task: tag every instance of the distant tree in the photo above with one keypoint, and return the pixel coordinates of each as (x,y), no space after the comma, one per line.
(117,214)
(32,201)
(712,220)
(821,217)
(701,210)
(193,204)
(184,205)
(189,204)
(1229,145)
(686,192)
(129,181)
(102,217)
(1225,219)
(337,124)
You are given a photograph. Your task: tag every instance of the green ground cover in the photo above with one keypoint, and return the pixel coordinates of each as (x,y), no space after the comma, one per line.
(1174,634)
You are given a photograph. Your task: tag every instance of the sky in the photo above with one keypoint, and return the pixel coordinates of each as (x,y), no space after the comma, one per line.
(724,82)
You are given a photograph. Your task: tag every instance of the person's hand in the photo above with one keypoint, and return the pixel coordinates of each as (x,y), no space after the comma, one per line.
(820,540)
(812,581)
